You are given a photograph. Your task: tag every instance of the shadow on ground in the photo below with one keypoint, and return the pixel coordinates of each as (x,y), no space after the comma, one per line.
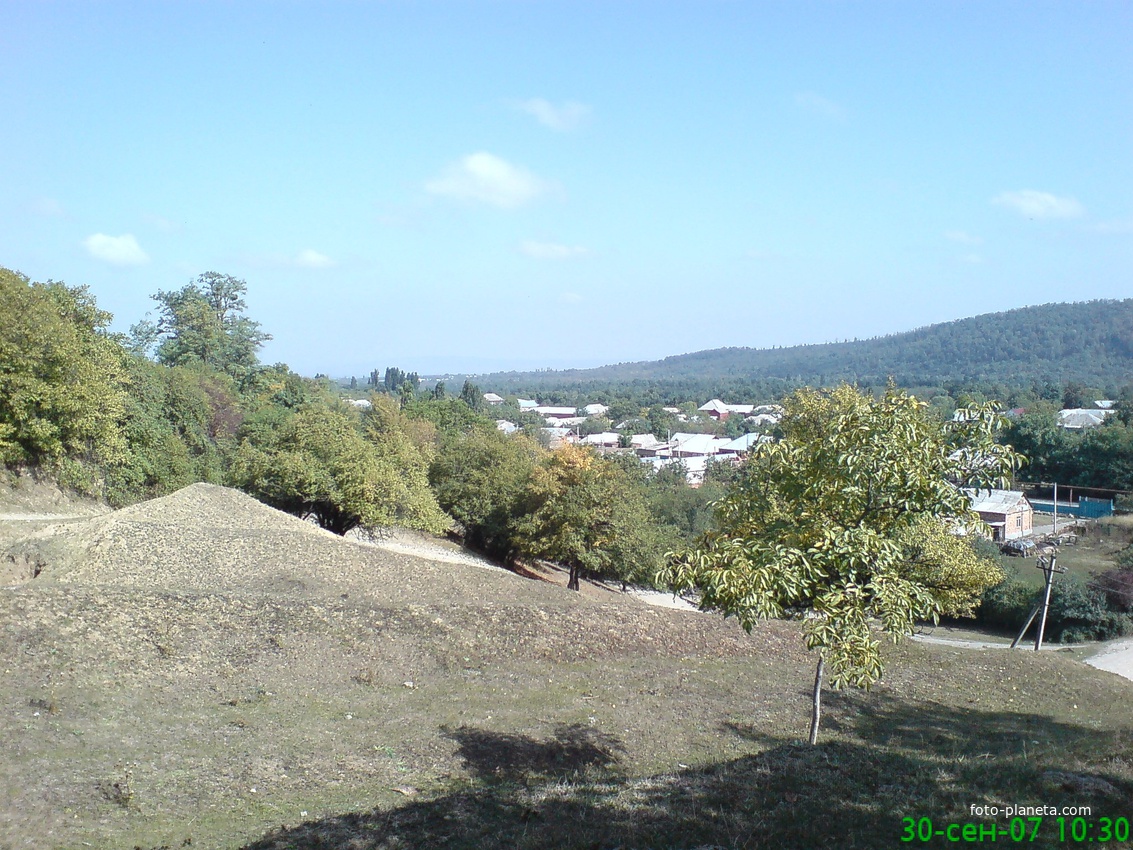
(883,760)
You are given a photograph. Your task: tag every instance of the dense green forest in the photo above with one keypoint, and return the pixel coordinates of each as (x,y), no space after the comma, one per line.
(1089,342)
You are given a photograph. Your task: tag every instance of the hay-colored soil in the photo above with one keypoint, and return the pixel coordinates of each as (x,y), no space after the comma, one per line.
(201,668)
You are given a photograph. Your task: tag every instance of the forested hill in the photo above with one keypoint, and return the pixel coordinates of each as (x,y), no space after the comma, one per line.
(1090,342)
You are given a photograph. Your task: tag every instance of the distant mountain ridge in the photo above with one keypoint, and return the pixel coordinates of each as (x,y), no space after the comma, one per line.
(1090,342)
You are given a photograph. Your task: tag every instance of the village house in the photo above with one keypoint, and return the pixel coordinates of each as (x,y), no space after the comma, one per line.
(595,410)
(1078,418)
(605,440)
(557,436)
(1008,512)
(556,412)
(492,398)
(720,411)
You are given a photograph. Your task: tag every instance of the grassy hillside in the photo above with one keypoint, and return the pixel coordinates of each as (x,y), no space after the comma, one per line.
(201,669)
(1090,342)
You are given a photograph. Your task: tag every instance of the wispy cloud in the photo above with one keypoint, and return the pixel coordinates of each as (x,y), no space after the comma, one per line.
(487,179)
(816,104)
(566,116)
(309,259)
(962,238)
(121,250)
(551,251)
(570,298)
(1035,204)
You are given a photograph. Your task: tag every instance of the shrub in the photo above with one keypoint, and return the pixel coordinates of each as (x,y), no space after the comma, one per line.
(1117,585)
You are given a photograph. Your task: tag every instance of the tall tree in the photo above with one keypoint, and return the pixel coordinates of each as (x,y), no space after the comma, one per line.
(470,394)
(203,322)
(818,526)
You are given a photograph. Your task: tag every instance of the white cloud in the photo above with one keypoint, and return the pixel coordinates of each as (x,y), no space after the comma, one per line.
(309,259)
(565,116)
(1035,204)
(121,250)
(551,251)
(816,104)
(570,298)
(962,238)
(487,178)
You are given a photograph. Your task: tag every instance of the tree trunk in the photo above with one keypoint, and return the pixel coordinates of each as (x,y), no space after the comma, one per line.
(816,713)
(572,584)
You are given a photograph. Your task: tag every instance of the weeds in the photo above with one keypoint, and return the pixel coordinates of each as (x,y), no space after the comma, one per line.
(120,791)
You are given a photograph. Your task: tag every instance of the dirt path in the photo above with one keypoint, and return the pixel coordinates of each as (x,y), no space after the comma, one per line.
(1116,657)
(22,517)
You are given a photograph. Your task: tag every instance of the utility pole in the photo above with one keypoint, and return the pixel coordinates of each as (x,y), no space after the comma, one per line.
(1056,507)
(1048,566)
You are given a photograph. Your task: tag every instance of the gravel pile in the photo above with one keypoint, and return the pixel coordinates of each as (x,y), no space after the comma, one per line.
(207,546)
(214,539)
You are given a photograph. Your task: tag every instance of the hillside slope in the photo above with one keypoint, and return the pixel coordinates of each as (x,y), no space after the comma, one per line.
(203,670)
(1090,342)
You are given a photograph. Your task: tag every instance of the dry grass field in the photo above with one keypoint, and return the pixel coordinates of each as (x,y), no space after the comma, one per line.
(203,671)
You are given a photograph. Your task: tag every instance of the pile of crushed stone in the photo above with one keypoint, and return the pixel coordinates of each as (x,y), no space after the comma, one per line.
(212,546)
(215,539)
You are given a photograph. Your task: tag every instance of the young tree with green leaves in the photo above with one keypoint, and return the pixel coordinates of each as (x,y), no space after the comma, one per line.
(838,523)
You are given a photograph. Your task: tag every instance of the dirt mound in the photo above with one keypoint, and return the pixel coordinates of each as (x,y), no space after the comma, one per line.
(214,539)
(29,494)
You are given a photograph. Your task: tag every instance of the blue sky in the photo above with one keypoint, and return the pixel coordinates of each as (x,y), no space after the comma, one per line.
(447,186)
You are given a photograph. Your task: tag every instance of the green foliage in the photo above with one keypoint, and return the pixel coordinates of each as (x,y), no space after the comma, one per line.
(831,521)
(179,426)
(317,462)
(1092,457)
(203,323)
(481,479)
(585,512)
(62,379)
(1077,612)
(470,394)
(395,379)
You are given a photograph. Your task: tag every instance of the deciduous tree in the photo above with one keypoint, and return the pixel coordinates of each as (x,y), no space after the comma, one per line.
(584,512)
(834,524)
(62,378)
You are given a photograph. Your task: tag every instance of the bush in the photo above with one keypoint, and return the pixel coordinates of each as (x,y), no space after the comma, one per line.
(1117,585)
(1077,612)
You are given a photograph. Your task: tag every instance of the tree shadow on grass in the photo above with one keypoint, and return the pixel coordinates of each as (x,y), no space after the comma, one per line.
(891,760)
(502,756)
